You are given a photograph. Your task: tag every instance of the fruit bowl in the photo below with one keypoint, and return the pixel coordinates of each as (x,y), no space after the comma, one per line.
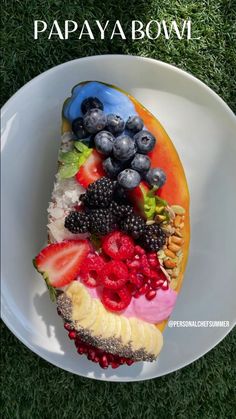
(179,101)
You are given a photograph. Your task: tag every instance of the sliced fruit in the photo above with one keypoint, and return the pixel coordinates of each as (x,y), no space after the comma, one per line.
(91,170)
(99,326)
(118,246)
(114,275)
(137,334)
(90,319)
(117,332)
(125,333)
(59,263)
(82,303)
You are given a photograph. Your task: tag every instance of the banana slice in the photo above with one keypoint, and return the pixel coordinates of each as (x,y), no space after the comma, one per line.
(82,303)
(137,334)
(117,331)
(99,326)
(109,330)
(157,341)
(125,333)
(88,321)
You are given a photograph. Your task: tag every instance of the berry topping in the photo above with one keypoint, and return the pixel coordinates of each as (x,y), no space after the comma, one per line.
(141,163)
(99,194)
(104,142)
(116,300)
(60,262)
(114,275)
(115,124)
(78,128)
(118,246)
(145,141)
(120,210)
(153,237)
(112,167)
(91,269)
(91,103)
(77,222)
(129,179)
(91,170)
(133,225)
(156,177)
(124,148)
(134,123)
(94,120)
(102,221)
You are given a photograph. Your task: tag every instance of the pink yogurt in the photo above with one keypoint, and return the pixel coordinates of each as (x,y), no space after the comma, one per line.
(154,311)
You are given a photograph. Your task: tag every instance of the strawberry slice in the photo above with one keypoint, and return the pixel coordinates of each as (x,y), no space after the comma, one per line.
(59,263)
(91,170)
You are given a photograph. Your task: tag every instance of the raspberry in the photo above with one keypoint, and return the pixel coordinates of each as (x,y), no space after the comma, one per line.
(116,300)
(114,275)
(118,246)
(91,269)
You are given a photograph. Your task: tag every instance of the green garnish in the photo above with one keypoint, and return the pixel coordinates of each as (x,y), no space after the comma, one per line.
(72,160)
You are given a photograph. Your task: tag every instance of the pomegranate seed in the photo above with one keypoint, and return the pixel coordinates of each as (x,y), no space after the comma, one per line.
(150,295)
(96,359)
(129,361)
(103,362)
(134,264)
(72,334)
(136,294)
(146,271)
(152,255)
(91,355)
(67,326)
(165,286)
(143,289)
(115,365)
(81,349)
(137,257)
(157,283)
(122,360)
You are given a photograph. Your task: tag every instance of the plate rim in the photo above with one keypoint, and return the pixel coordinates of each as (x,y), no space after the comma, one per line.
(230,113)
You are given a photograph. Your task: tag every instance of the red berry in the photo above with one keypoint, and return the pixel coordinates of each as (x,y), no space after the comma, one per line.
(91,170)
(118,246)
(144,289)
(139,250)
(114,275)
(137,279)
(90,270)
(116,300)
(150,295)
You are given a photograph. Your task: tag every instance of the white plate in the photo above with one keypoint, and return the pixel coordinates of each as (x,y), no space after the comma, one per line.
(202,128)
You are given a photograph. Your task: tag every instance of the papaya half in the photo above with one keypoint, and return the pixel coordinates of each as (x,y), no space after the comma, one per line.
(160,209)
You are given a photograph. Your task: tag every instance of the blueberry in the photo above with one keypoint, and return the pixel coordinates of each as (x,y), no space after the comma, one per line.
(145,141)
(104,142)
(129,179)
(156,177)
(141,163)
(91,103)
(78,128)
(134,123)
(115,124)
(112,167)
(124,148)
(95,120)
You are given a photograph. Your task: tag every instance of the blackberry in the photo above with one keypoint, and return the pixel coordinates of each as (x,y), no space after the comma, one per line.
(153,238)
(102,221)
(120,210)
(133,225)
(99,194)
(77,222)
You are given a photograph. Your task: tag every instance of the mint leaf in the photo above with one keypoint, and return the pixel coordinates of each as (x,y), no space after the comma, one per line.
(69,157)
(68,170)
(81,147)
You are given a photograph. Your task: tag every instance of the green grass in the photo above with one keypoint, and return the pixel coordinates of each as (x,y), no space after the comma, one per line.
(32,388)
